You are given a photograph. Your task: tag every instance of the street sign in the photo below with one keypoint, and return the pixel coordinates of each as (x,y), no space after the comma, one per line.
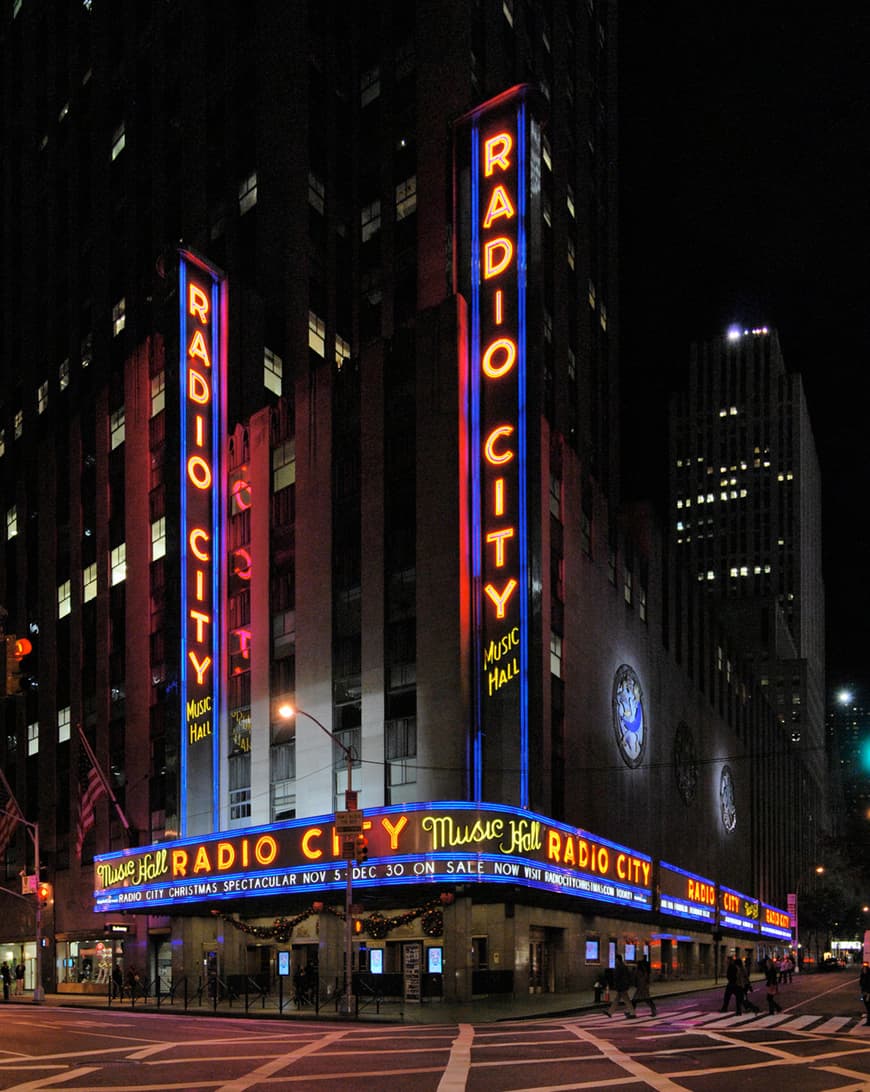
(28,884)
(348,822)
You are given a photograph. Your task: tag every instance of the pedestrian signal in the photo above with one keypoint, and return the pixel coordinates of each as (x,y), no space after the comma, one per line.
(361,849)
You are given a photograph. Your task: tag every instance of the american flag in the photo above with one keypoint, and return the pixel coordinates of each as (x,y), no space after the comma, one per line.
(10,814)
(91,788)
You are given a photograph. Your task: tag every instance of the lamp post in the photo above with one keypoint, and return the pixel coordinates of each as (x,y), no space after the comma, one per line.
(793,900)
(33,830)
(288,711)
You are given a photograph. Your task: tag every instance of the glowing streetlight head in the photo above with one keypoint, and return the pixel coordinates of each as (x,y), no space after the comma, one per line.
(734,333)
(844,697)
(286,711)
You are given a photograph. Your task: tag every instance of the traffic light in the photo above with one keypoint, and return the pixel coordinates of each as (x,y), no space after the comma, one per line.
(361,849)
(43,893)
(16,649)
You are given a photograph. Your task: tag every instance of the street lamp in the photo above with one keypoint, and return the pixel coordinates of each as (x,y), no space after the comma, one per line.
(793,900)
(33,831)
(287,711)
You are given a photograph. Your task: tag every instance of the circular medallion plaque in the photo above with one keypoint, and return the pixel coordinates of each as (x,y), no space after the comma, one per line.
(628,716)
(726,799)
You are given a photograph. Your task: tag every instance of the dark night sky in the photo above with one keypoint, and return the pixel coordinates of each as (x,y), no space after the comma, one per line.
(745,197)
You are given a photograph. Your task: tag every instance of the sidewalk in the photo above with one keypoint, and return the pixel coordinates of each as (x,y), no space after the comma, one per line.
(481,1010)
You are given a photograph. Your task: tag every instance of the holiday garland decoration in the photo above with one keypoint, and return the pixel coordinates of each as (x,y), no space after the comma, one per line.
(376,926)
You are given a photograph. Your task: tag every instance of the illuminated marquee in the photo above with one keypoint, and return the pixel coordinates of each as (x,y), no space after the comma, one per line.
(775,923)
(737,911)
(437,843)
(685,895)
(202,348)
(502,142)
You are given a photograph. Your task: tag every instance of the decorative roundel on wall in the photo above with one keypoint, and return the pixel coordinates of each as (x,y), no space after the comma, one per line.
(726,799)
(629,723)
(685,763)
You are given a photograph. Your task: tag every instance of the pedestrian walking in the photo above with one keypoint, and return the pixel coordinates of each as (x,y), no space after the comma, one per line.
(19,979)
(6,975)
(642,976)
(117,981)
(621,986)
(732,986)
(745,984)
(771,977)
(864,986)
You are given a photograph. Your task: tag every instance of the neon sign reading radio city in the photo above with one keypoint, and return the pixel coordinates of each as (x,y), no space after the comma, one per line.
(202,305)
(498,146)
(498,362)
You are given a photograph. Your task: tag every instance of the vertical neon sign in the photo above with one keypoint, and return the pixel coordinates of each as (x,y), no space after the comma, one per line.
(498,443)
(202,371)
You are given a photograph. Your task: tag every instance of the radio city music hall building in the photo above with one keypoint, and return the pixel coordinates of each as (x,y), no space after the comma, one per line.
(351,447)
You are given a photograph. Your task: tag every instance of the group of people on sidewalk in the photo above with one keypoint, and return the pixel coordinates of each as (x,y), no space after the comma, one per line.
(10,974)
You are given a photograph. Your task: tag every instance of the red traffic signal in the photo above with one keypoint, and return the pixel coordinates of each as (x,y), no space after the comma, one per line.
(43,893)
(16,649)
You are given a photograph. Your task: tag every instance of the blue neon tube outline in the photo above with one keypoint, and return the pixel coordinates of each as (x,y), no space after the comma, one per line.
(182,371)
(522,260)
(217,543)
(476,531)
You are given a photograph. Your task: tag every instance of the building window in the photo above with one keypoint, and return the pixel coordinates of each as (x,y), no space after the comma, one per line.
(33,738)
(239,767)
(89,583)
(119,140)
(11,522)
(117,428)
(2,442)
(64,598)
(316,334)
(63,375)
(42,398)
(369,85)
(342,351)
(571,254)
(316,193)
(158,393)
(273,371)
(406,197)
(158,538)
(283,465)
(247,193)
(118,564)
(18,423)
(370,220)
(555,654)
(63,723)
(507,7)
(119,316)
(569,201)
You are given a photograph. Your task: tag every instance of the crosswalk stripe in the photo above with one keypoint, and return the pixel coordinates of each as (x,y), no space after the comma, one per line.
(834,1024)
(803,1021)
